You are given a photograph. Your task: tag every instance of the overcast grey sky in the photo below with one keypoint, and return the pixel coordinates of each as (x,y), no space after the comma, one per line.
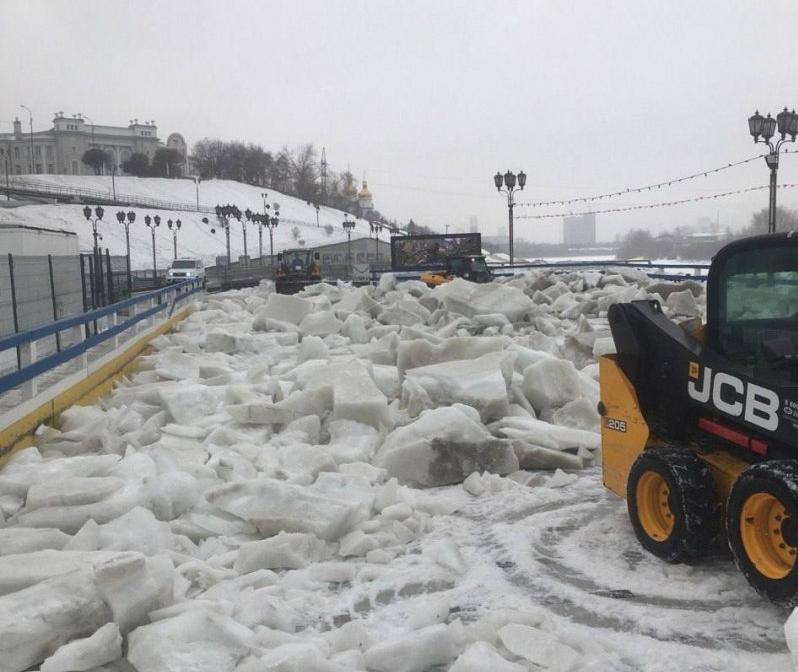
(430,98)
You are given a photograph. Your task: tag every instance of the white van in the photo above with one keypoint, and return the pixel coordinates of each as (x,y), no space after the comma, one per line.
(185,269)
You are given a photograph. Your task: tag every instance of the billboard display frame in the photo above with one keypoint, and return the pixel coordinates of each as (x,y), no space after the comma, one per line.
(410,253)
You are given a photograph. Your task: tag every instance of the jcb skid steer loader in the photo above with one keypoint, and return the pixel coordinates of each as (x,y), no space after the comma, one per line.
(700,429)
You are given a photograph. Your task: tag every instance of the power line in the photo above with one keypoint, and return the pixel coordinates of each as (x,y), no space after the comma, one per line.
(655,205)
(637,190)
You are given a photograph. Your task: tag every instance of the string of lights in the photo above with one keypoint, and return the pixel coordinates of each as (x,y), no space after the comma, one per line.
(637,190)
(663,204)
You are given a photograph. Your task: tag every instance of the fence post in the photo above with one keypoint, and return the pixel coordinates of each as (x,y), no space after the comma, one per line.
(85,297)
(14,302)
(55,304)
(28,354)
(110,276)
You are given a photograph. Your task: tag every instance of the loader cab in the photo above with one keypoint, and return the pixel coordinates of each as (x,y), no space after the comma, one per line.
(752,307)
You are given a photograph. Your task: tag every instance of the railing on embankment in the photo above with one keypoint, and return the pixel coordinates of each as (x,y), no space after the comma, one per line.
(96,346)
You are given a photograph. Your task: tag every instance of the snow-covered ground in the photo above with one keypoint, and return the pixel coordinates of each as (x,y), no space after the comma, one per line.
(195,238)
(393,479)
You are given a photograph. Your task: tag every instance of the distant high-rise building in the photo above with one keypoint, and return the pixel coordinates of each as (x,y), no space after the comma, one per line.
(473,226)
(579,230)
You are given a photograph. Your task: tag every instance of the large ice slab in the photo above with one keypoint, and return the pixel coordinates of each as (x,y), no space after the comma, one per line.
(274,506)
(481,383)
(443,446)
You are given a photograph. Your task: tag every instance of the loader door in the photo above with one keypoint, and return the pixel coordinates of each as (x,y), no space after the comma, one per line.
(753,308)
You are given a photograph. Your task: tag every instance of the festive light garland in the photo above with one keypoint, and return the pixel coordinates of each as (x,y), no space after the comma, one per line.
(656,205)
(637,190)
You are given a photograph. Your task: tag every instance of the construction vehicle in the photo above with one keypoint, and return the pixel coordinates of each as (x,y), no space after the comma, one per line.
(472,267)
(296,269)
(699,423)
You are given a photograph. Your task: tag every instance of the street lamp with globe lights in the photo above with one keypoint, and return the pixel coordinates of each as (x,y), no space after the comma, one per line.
(271,223)
(762,129)
(317,207)
(174,231)
(98,212)
(375,228)
(349,225)
(127,220)
(510,188)
(152,223)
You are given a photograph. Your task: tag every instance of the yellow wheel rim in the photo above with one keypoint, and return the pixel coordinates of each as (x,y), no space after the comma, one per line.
(653,510)
(762,524)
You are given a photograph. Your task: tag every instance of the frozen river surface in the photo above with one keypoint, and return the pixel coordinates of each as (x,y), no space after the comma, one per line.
(393,479)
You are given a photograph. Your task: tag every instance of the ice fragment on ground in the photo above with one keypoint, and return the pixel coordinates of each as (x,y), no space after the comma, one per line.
(482,657)
(682,303)
(71,491)
(321,323)
(284,551)
(539,647)
(412,354)
(415,651)
(282,308)
(37,620)
(443,446)
(446,553)
(312,347)
(273,506)
(550,383)
(104,646)
(197,640)
(481,383)
(560,479)
(15,540)
(579,414)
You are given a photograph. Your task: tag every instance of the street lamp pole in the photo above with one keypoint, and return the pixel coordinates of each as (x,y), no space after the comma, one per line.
(174,231)
(197,180)
(131,217)
(510,189)
(762,130)
(30,151)
(271,223)
(376,227)
(348,225)
(152,223)
(317,207)
(95,231)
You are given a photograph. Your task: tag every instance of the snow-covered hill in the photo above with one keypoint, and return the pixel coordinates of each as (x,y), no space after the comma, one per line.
(195,238)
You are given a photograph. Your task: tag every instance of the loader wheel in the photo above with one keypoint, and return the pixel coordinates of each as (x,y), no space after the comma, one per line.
(762,524)
(672,504)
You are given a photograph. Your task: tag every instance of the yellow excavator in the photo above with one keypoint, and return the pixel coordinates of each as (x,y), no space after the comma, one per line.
(699,422)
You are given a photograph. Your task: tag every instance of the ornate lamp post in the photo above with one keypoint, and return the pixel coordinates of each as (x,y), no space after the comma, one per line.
(247,218)
(348,225)
(510,189)
(376,227)
(174,231)
(127,220)
(98,211)
(762,129)
(152,223)
(317,207)
(222,214)
(271,223)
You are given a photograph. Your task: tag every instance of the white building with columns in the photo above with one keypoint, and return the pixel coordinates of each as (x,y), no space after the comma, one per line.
(60,149)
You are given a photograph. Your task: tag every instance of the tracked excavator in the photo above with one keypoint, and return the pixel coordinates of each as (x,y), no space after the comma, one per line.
(699,422)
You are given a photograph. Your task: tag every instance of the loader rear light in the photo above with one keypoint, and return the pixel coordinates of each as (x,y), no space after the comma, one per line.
(736,437)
